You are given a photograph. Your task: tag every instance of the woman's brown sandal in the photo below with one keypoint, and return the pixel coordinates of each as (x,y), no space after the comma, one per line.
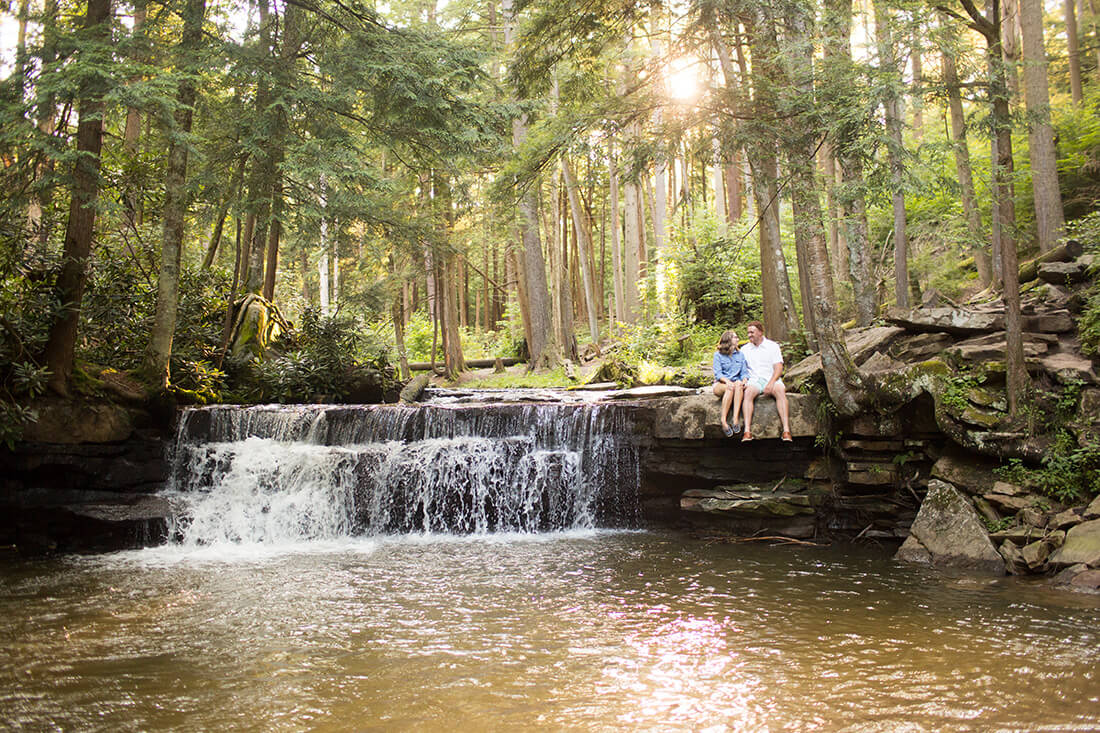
(786,436)
(746,438)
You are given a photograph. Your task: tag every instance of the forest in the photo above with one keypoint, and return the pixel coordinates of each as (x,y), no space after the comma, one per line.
(275,201)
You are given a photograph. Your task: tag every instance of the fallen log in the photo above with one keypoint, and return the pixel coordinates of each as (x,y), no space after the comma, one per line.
(1069,250)
(425,366)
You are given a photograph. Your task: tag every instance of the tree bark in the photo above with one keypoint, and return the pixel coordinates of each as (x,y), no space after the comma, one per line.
(73,276)
(841,376)
(962,162)
(1018,382)
(159,351)
(848,147)
(131,137)
(584,248)
(616,239)
(780,316)
(1049,218)
(895,150)
(1073,52)
(271,260)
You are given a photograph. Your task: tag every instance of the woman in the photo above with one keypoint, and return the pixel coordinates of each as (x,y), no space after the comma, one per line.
(730,376)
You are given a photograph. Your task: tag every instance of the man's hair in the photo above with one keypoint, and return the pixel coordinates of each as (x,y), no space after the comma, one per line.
(758,324)
(727,343)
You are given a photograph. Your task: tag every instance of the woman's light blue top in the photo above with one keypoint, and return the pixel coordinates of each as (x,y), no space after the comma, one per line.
(731,366)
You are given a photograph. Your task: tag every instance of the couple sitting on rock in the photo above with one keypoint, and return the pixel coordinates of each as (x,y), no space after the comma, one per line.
(742,374)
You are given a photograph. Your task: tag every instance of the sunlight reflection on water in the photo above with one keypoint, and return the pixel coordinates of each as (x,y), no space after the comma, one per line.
(574,630)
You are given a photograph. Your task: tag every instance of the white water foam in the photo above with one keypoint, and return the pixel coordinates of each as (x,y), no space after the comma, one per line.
(537,469)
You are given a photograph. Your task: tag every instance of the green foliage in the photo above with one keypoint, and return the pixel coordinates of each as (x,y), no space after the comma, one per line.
(1070,467)
(1087,230)
(321,362)
(670,341)
(957,388)
(713,273)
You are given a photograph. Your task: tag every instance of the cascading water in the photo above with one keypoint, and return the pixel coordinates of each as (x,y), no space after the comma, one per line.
(289,473)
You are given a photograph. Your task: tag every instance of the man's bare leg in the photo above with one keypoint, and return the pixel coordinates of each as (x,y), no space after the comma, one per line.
(779,392)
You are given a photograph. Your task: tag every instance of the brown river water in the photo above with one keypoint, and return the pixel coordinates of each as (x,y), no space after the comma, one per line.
(578,630)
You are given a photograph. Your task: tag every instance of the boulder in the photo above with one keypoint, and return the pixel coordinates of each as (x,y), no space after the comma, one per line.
(1092,511)
(991,347)
(1003,487)
(973,475)
(747,501)
(1063,273)
(652,390)
(1035,554)
(1032,516)
(878,363)
(1069,367)
(1011,504)
(1061,520)
(1082,546)
(912,551)
(950,530)
(1014,559)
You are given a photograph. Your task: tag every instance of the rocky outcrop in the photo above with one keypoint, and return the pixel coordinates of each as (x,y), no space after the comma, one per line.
(697,416)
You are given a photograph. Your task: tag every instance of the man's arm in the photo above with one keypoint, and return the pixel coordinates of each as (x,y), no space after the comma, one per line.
(777,369)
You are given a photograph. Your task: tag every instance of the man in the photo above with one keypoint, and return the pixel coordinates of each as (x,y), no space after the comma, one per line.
(765,363)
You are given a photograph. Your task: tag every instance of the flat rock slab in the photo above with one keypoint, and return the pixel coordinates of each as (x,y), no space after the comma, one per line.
(697,417)
(651,391)
(949,320)
(763,504)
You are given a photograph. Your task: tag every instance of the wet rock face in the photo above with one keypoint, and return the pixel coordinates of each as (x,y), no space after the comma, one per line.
(948,533)
(86,497)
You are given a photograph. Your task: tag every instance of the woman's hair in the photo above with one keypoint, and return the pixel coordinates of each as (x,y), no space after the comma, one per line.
(728,343)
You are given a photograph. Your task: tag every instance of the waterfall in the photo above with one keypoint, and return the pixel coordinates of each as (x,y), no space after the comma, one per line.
(288,473)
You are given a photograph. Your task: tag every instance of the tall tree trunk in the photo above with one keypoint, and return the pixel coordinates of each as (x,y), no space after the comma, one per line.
(544,351)
(962,163)
(584,248)
(1073,52)
(1049,218)
(780,316)
(616,239)
(271,260)
(848,146)
(131,137)
(895,150)
(841,377)
(732,172)
(46,116)
(159,351)
(1010,47)
(73,276)
(1018,382)
(918,84)
(632,237)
